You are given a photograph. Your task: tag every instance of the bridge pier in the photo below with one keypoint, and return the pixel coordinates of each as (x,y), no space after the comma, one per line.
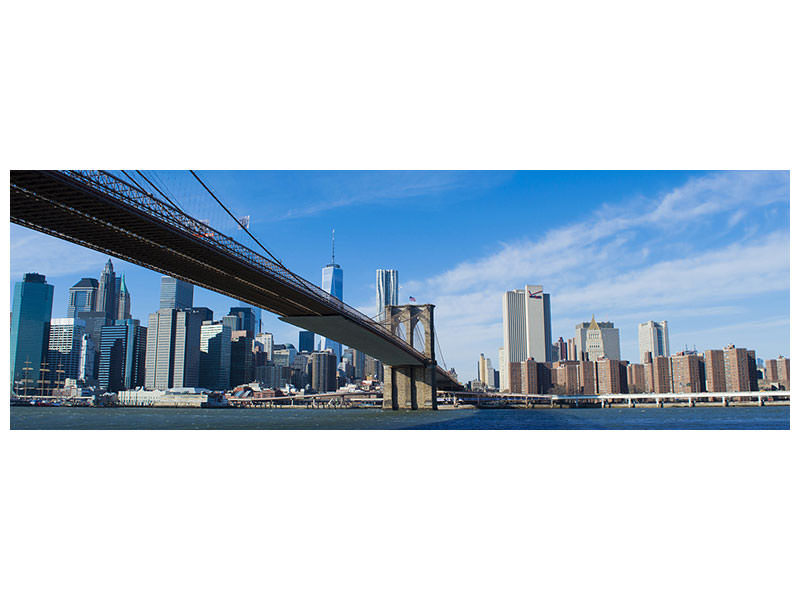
(411,387)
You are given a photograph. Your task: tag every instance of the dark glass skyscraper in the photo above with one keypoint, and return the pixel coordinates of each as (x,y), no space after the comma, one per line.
(323,372)
(82,297)
(215,356)
(306,341)
(30,329)
(246,319)
(122,352)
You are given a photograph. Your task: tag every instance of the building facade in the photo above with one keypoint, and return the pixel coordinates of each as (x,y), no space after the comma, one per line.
(305,341)
(173,349)
(597,340)
(82,297)
(737,369)
(123,346)
(636,379)
(123,301)
(688,373)
(608,376)
(653,338)
(323,372)
(333,283)
(242,358)
(215,356)
(783,371)
(175,294)
(526,328)
(65,348)
(107,293)
(386,291)
(715,371)
(31,310)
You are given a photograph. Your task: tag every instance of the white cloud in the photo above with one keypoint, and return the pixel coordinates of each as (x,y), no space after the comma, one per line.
(597,266)
(350,189)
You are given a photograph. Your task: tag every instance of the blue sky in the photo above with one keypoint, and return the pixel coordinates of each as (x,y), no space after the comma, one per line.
(707,251)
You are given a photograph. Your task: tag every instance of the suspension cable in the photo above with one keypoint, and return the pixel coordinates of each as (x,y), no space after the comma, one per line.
(163,195)
(135,183)
(225,208)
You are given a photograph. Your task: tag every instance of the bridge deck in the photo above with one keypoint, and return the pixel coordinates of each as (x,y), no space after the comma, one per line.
(103,214)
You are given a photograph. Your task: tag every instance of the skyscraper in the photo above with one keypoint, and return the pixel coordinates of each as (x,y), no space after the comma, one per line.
(306,341)
(64,346)
(173,348)
(247,319)
(175,293)
(122,355)
(82,297)
(123,301)
(266,341)
(30,329)
(688,373)
(653,338)
(242,358)
(537,324)
(485,371)
(386,291)
(323,372)
(107,293)
(526,328)
(257,323)
(737,370)
(332,282)
(715,371)
(597,339)
(215,356)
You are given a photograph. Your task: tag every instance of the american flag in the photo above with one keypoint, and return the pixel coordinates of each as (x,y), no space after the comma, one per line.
(412,299)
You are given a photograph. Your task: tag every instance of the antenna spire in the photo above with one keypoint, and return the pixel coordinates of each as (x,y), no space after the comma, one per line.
(333,246)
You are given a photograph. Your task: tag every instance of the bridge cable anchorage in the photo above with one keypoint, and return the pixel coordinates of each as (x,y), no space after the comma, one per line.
(260,245)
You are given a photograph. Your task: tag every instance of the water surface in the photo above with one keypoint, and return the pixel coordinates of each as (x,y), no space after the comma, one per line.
(767,417)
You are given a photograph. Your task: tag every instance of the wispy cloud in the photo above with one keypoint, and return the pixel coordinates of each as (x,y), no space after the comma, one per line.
(339,190)
(31,251)
(605,264)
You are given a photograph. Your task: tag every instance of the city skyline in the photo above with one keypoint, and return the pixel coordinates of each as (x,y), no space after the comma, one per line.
(627,247)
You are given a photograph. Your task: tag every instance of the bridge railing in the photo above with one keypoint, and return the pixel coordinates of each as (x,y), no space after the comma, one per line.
(128,194)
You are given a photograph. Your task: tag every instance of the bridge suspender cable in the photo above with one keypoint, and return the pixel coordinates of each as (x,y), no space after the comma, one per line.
(163,195)
(247,231)
(138,186)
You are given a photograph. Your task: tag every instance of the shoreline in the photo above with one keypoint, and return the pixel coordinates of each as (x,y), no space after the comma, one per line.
(445,407)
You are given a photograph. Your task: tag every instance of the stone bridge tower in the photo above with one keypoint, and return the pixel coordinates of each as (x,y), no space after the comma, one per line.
(410,387)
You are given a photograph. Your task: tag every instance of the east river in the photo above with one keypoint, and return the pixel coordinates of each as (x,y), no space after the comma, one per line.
(767,417)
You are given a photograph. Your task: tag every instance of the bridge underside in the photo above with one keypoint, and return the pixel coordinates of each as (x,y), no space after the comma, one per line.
(345,331)
(53,203)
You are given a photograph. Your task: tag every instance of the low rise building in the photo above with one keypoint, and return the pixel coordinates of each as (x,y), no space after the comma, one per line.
(171,398)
